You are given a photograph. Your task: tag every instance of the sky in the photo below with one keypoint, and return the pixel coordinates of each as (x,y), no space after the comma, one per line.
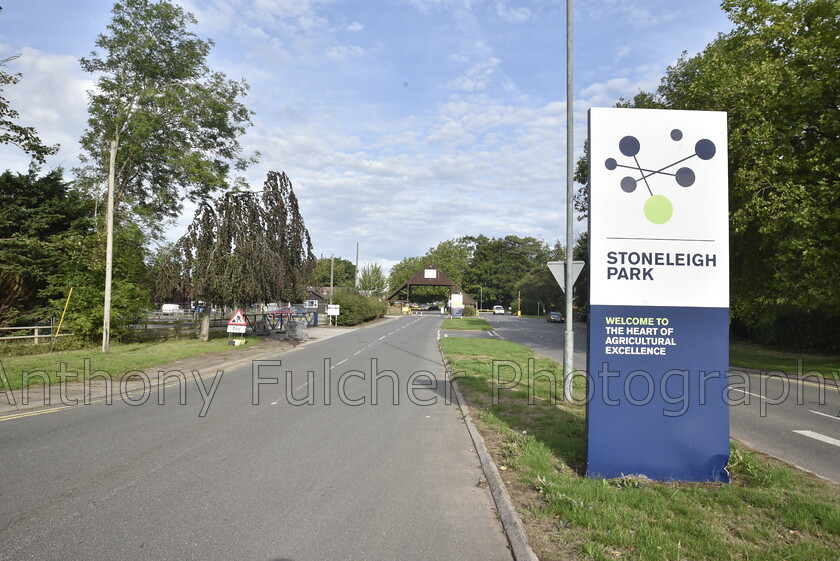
(401,123)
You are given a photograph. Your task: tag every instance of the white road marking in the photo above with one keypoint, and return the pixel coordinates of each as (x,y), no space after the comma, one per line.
(818,436)
(825,415)
(750,393)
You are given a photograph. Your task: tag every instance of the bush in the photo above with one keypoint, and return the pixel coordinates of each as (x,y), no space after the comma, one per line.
(356,309)
(469,311)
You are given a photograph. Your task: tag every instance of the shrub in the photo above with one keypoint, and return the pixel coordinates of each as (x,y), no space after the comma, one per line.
(356,308)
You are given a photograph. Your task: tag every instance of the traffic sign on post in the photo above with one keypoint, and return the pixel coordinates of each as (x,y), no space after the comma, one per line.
(558,269)
(237,323)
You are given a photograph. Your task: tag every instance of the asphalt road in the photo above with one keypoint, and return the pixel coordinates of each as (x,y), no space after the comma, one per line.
(351,476)
(798,422)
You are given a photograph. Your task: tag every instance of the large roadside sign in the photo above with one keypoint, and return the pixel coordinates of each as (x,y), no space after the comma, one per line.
(659,288)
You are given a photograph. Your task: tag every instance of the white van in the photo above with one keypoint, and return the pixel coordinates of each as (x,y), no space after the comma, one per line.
(498,310)
(171,309)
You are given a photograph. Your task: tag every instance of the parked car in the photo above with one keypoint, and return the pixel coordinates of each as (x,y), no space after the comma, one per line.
(433,308)
(554,317)
(171,309)
(498,310)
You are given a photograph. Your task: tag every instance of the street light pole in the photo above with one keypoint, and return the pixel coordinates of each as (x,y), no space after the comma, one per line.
(569,347)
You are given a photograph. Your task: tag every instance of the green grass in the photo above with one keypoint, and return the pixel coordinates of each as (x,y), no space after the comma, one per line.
(747,355)
(466,324)
(767,512)
(122,358)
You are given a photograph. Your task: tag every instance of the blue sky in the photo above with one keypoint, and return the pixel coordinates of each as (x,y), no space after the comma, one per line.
(401,123)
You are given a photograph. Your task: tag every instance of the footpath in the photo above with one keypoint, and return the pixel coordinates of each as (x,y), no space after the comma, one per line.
(37,398)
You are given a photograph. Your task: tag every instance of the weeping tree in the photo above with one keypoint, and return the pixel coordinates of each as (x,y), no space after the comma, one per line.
(247,247)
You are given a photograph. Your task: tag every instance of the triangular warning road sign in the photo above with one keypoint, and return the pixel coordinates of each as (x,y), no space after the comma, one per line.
(238,319)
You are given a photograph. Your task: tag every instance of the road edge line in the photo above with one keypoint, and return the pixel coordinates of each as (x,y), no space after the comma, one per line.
(511,522)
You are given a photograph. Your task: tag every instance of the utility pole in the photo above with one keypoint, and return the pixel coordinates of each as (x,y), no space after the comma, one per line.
(109,251)
(569,347)
(332,276)
(357,266)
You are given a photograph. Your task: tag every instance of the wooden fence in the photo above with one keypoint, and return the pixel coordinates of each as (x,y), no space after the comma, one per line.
(36,333)
(157,326)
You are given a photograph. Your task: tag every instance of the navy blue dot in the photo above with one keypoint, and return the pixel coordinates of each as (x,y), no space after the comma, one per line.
(611,163)
(705,149)
(629,146)
(676,134)
(685,177)
(628,184)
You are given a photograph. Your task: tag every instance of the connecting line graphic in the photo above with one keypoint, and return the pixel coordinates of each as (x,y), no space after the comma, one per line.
(658,208)
(652,172)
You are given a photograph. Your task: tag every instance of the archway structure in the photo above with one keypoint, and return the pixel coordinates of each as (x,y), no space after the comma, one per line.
(428,276)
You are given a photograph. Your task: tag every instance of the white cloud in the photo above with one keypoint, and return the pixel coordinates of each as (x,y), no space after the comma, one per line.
(477,77)
(51,98)
(512,15)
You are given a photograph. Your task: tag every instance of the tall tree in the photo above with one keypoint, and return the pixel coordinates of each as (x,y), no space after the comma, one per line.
(250,247)
(775,74)
(175,122)
(160,121)
(25,138)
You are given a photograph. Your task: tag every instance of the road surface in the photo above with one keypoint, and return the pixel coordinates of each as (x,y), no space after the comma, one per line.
(351,476)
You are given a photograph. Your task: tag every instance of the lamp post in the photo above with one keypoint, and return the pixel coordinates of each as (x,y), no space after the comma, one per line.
(569,347)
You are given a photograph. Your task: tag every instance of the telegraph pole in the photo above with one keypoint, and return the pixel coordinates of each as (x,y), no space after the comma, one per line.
(109,251)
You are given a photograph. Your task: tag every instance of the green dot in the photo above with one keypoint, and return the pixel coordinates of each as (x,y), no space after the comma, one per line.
(659,209)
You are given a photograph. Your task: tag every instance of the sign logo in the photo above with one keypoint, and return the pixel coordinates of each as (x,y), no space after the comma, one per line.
(658,208)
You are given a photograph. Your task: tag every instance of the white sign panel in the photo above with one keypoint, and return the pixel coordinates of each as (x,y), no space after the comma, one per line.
(430,273)
(236,328)
(333,309)
(660,237)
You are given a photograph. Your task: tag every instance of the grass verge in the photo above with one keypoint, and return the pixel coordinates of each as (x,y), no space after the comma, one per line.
(747,355)
(466,324)
(769,511)
(122,358)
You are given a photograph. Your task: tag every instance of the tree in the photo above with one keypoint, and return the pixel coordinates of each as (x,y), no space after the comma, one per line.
(250,247)
(83,267)
(539,286)
(343,275)
(25,138)
(372,279)
(42,224)
(452,257)
(160,121)
(784,146)
(176,124)
(498,264)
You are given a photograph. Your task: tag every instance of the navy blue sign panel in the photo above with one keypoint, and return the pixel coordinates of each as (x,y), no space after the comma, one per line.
(659,295)
(657,403)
